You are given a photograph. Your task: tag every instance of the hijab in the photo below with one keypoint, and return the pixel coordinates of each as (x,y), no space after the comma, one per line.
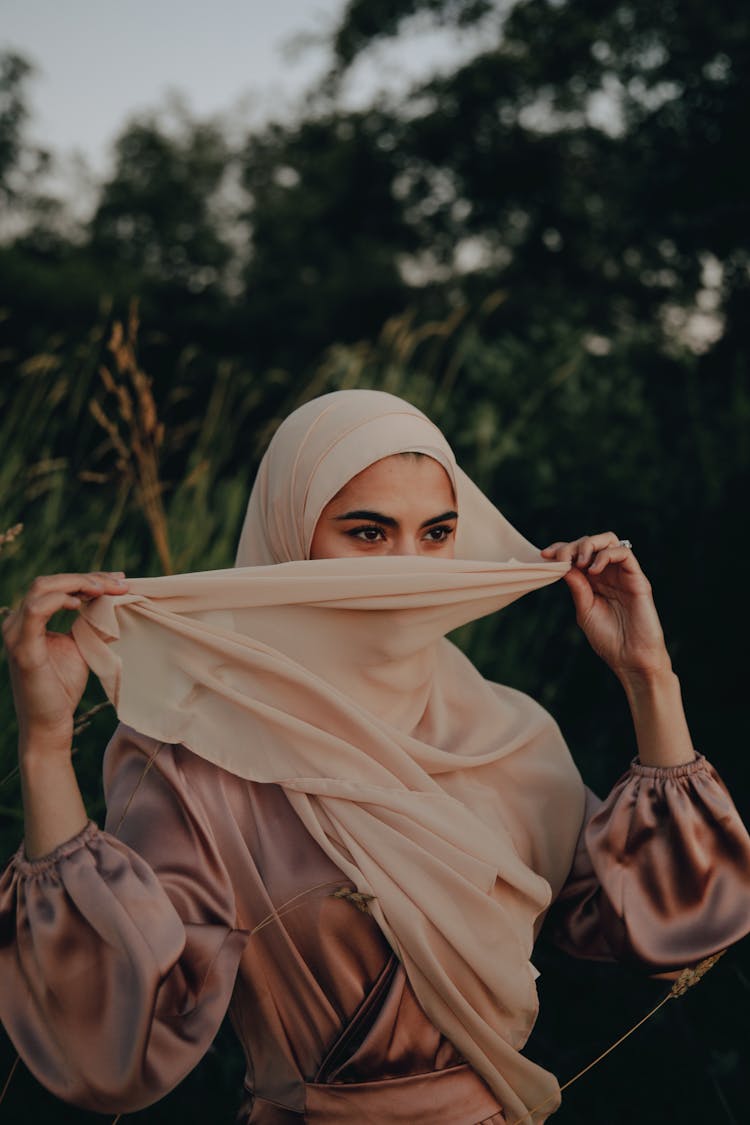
(453,801)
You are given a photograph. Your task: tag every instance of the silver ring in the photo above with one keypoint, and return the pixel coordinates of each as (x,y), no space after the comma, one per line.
(625,543)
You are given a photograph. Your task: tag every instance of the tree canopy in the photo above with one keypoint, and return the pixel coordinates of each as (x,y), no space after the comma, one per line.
(545,247)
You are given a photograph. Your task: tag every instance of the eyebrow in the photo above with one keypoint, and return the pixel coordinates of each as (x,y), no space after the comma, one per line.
(389,521)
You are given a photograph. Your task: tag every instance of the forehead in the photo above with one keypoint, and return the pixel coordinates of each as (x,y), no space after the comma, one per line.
(400,477)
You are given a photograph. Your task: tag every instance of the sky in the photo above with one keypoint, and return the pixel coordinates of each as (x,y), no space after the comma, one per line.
(100,61)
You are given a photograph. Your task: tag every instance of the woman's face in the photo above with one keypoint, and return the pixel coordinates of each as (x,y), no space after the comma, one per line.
(401,505)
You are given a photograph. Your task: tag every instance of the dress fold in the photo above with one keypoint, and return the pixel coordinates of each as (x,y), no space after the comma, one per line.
(109,995)
(661,876)
(121,953)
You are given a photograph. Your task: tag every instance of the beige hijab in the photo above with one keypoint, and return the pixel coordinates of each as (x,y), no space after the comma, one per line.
(452,800)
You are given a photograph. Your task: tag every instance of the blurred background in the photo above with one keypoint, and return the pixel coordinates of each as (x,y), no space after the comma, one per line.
(528,217)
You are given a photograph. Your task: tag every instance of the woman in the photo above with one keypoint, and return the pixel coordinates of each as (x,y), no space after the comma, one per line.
(357,850)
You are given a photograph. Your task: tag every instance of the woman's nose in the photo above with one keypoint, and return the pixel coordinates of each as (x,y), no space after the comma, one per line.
(404,545)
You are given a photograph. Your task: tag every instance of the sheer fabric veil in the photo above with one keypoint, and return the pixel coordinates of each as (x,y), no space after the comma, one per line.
(452,800)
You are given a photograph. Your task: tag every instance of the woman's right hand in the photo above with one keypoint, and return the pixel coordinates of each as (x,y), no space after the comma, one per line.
(47,671)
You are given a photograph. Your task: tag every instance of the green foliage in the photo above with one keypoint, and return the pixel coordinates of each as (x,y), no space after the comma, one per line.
(546,250)
(155,216)
(15,153)
(327,231)
(593,153)
(565,441)
(366,21)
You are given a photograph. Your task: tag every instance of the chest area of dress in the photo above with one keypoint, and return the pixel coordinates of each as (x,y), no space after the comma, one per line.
(303,913)
(321,994)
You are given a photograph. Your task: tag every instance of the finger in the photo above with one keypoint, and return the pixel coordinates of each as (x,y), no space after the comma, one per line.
(553,547)
(590,544)
(581,550)
(83,585)
(17,622)
(611,555)
(568,552)
(10,626)
(107,578)
(25,639)
(581,592)
(36,612)
(30,620)
(584,552)
(92,585)
(71,583)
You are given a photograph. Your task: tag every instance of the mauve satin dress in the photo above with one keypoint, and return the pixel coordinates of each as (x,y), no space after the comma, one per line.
(122,950)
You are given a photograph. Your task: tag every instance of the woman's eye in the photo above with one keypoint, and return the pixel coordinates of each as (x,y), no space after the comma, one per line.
(439,534)
(369,534)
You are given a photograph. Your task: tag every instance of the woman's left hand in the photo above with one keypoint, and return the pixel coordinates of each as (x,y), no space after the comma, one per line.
(614,605)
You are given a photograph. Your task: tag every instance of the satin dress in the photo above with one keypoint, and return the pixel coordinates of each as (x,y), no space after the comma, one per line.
(122,950)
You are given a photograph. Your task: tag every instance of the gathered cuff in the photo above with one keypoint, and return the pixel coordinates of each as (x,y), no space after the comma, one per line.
(661,876)
(699,764)
(30,867)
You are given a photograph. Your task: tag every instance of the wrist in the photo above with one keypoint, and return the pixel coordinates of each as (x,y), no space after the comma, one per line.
(41,739)
(661,728)
(37,757)
(648,681)
(53,806)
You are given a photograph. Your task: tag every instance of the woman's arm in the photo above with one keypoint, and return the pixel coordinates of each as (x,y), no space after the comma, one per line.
(661,875)
(49,675)
(659,719)
(615,608)
(117,959)
(119,949)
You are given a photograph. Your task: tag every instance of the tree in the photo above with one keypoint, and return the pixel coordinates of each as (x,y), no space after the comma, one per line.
(20,161)
(158,217)
(326,233)
(594,152)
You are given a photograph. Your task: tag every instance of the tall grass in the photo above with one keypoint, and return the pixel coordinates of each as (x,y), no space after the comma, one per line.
(106,466)
(109,467)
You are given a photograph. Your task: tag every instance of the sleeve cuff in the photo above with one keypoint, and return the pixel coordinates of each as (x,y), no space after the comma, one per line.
(30,867)
(699,764)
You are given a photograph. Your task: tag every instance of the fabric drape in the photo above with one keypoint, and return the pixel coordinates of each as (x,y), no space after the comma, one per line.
(453,801)
(205,891)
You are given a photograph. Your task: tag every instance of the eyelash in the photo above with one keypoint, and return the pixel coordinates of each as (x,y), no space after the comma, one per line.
(356,532)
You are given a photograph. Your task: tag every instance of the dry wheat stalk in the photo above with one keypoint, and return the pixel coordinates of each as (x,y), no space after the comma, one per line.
(80,724)
(11,534)
(7,537)
(356,898)
(686,980)
(135,433)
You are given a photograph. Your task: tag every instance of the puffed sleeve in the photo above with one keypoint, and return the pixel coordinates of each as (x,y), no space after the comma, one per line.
(661,877)
(118,953)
